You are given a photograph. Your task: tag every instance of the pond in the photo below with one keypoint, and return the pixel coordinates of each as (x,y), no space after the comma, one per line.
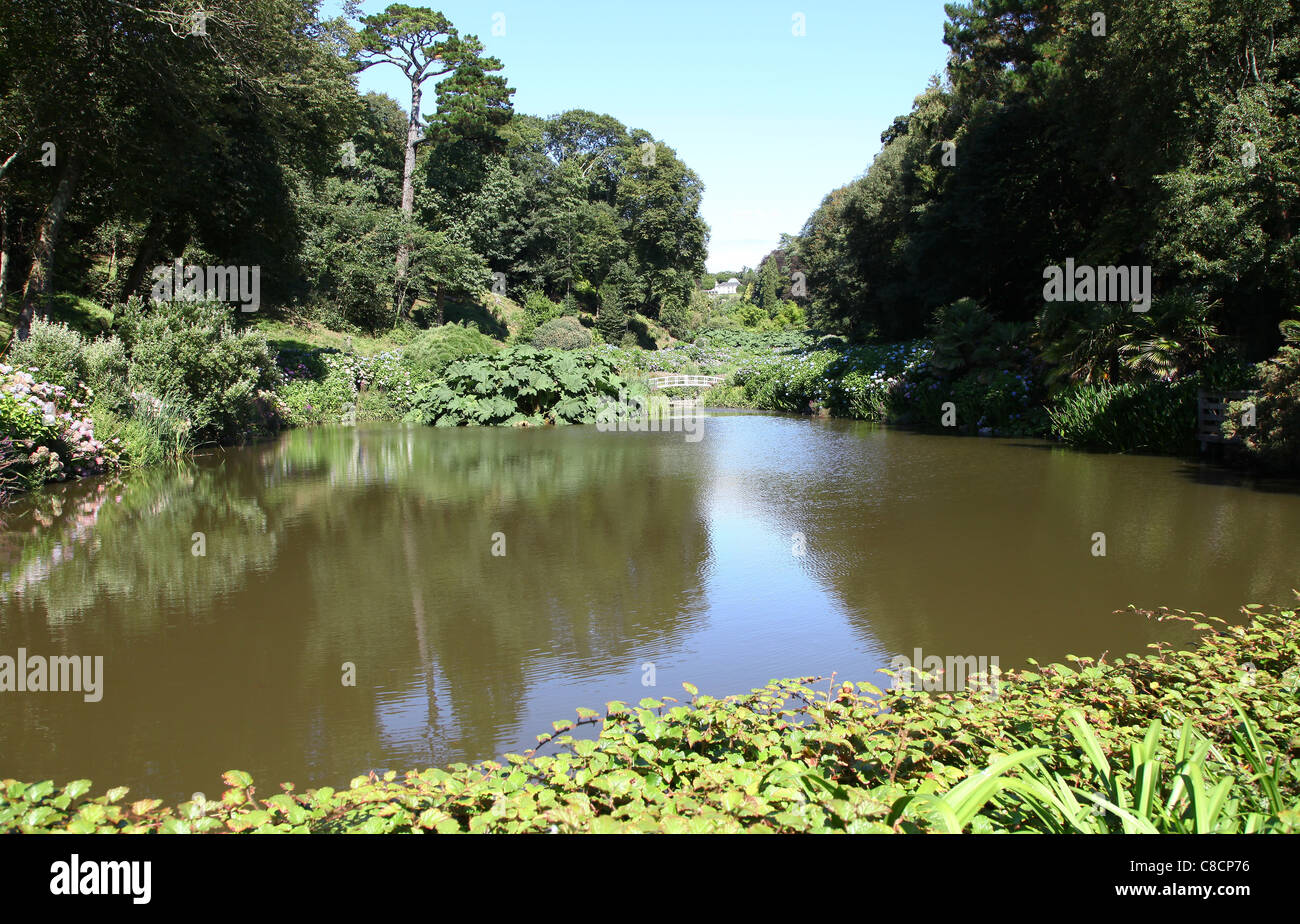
(474,585)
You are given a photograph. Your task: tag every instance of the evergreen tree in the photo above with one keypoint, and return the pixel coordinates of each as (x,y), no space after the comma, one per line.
(424,45)
(611,320)
(674,315)
(769,282)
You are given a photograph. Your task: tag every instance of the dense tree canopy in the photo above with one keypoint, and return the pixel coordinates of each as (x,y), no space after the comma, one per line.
(254,92)
(262,152)
(1154,132)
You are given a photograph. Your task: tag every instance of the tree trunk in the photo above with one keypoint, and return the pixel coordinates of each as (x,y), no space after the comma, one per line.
(4,270)
(427,658)
(399,294)
(9,161)
(111,276)
(144,256)
(408,176)
(39,276)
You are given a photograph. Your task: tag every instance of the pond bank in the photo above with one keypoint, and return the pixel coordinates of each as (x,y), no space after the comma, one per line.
(61,428)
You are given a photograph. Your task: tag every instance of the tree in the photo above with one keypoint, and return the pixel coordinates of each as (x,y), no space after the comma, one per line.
(675,316)
(1041,110)
(424,45)
(769,282)
(658,202)
(258,96)
(442,265)
(611,320)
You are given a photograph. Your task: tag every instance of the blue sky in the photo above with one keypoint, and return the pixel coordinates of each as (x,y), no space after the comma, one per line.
(770,121)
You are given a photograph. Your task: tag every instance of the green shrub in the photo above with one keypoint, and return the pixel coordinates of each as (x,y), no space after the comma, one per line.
(404,332)
(520,386)
(1005,402)
(107,372)
(563,333)
(787,383)
(1274,441)
(675,316)
(147,430)
(723,322)
(313,402)
(790,316)
(377,405)
(190,350)
(967,337)
(698,310)
(724,396)
(429,354)
(859,394)
(539,308)
(749,315)
(137,444)
(54,351)
(1146,416)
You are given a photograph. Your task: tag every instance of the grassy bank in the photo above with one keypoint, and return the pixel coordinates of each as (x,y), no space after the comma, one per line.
(1167,742)
(93,391)
(1006,390)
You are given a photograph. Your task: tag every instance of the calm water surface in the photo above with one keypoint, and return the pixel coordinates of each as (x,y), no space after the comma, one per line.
(373,546)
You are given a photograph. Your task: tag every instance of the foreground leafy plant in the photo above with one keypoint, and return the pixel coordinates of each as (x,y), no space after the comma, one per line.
(1143,800)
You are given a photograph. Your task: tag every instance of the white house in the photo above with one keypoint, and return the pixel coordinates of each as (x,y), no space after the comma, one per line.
(725,288)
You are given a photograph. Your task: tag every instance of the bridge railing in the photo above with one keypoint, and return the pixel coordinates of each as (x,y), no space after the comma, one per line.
(685,381)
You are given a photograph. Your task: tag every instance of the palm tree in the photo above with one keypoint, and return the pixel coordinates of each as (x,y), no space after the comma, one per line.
(1174,338)
(1105,342)
(1082,343)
